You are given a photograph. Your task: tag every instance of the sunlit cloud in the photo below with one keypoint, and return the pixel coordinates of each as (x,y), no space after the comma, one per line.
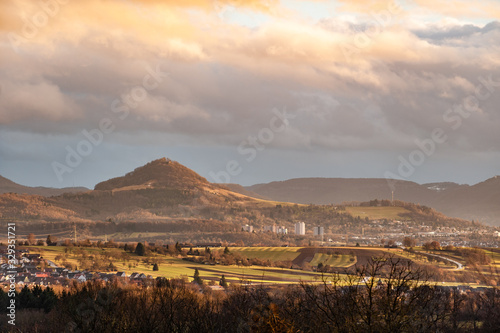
(359,75)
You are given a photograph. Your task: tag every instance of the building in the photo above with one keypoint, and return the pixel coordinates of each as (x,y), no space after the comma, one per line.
(300,228)
(282,230)
(318,231)
(247,228)
(271,228)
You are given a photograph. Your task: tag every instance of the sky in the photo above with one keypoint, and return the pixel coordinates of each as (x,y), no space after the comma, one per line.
(250,91)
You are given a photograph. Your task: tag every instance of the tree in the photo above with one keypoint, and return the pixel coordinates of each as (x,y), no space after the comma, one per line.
(226,251)
(51,240)
(196,278)
(385,295)
(223,282)
(409,242)
(320,267)
(140,250)
(31,239)
(155,267)
(435,245)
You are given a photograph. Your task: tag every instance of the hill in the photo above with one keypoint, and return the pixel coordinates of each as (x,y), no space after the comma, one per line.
(242,190)
(478,202)
(8,186)
(158,190)
(165,200)
(161,173)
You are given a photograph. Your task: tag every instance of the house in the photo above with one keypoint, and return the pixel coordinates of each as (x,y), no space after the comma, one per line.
(22,280)
(80,277)
(121,274)
(216,287)
(41,274)
(32,257)
(106,277)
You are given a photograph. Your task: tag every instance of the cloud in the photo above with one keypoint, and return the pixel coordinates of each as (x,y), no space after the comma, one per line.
(224,79)
(451,8)
(462,8)
(41,100)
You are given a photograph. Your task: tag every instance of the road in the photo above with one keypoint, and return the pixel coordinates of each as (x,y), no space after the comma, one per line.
(459,265)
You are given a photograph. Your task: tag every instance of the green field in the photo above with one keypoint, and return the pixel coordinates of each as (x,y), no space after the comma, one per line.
(175,267)
(343,260)
(494,255)
(268,253)
(377,213)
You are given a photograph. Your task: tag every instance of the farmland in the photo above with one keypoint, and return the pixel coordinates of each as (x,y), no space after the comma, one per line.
(176,267)
(377,213)
(268,253)
(333,260)
(295,264)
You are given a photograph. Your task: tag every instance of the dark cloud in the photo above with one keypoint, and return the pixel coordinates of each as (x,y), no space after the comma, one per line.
(443,34)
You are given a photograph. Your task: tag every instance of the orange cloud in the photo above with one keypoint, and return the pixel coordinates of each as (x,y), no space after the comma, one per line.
(259,5)
(462,8)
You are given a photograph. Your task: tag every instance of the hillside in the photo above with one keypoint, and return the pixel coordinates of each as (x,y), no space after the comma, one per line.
(8,186)
(160,189)
(27,207)
(242,190)
(164,197)
(477,202)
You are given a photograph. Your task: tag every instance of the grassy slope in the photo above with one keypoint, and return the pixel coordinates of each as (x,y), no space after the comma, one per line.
(268,253)
(377,213)
(171,267)
(343,260)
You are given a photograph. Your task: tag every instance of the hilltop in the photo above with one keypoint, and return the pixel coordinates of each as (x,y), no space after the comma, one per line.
(161,173)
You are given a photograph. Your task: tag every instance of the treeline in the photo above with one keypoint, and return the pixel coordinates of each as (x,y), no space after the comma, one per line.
(29,298)
(473,256)
(385,295)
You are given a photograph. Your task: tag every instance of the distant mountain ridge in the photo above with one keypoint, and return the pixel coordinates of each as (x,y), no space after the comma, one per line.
(8,186)
(165,188)
(480,202)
